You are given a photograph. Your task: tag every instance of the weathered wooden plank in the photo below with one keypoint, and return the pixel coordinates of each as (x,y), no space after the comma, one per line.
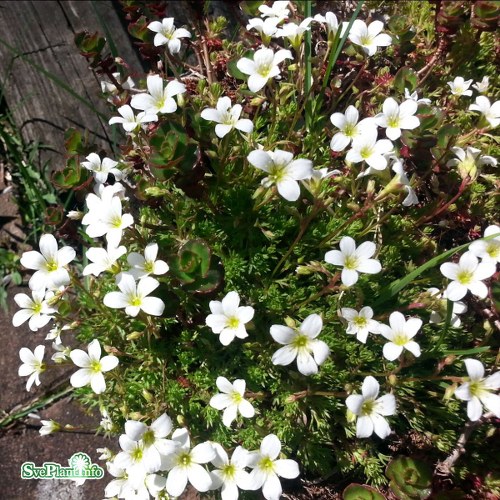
(43,31)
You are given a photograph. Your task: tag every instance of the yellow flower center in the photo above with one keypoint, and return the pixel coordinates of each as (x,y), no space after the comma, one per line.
(464,277)
(233,322)
(137,454)
(149,266)
(95,366)
(266,465)
(493,249)
(229,471)
(37,308)
(349,130)
(184,460)
(360,322)
(400,338)
(236,397)
(52,266)
(148,438)
(365,152)
(351,262)
(301,341)
(116,222)
(367,407)
(393,121)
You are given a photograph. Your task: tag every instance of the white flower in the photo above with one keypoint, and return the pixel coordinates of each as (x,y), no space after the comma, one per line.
(49,264)
(400,335)
(231,400)
(440,299)
(134,296)
(33,365)
(459,86)
(36,309)
(490,111)
(92,367)
(283,171)
(266,27)
(267,468)
(227,117)
(489,250)
(295,32)
(301,344)
(229,474)
(366,147)
(185,464)
(402,179)
(55,333)
(396,117)
(158,99)
(48,427)
(278,9)
(102,260)
(369,37)
(129,120)
(263,66)
(354,260)
(110,88)
(167,34)
(141,266)
(477,391)
(151,442)
(371,411)
(360,323)
(62,353)
(482,86)
(228,319)
(414,97)
(468,161)
(106,423)
(75,215)
(468,274)
(105,218)
(349,127)
(332,24)
(101,168)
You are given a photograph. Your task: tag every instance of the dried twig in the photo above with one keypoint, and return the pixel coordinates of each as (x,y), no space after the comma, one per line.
(444,468)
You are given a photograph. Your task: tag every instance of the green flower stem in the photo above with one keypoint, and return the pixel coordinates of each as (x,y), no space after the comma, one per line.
(305,394)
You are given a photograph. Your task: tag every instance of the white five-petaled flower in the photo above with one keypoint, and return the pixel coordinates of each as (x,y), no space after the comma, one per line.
(129,120)
(227,117)
(482,86)
(150,440)
(101,168)
(414,97)
(228,319)
(102,259)
(400,335)
(283,171)
(266,27)
(231,400)
(369,37)
(478,390)
(349,127)
(354,260)
(295,32)
(278,9)
(229,474)
(468,274)
(49,264)
(268,468)
(468,161)
(263,66)
(141,266)
(396,117)
(371,411)
(332,24)
(36,309)
(460,87)
(366,147)
(92,367)
(166,33)
(360,323)
(301,344)
(491,112)
(106,218)
(437,316)
(133,297)
(184,464)
(48,427)
(488,250)
(33,365)
(158,99)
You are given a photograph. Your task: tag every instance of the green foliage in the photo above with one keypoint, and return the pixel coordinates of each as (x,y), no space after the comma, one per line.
(410,478)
